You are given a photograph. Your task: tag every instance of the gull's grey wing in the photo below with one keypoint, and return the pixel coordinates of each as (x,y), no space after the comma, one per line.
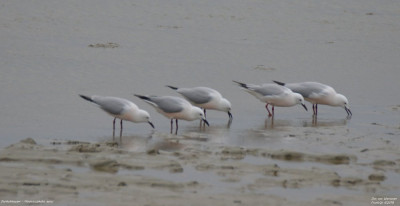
(196,95)
(168,104)
(308,89)
(269,89)
(111,105)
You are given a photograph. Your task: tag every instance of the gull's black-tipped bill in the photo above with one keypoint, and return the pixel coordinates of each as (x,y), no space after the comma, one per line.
(348,111)
(151,124)
(230,115)
(304,107)
(205,121)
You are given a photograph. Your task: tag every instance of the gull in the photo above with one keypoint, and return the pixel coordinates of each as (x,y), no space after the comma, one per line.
(274,95)
(205,98)
(120,109)
(174,108)
(318,93)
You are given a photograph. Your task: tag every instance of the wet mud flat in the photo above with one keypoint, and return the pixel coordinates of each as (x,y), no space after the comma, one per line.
(177,170)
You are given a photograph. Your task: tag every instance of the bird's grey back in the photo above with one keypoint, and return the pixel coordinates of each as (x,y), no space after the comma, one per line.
(269,89)
(168,104)
(306,89)
(111,105)
(197,95)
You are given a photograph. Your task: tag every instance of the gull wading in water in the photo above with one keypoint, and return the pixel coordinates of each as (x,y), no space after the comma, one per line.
(274,95)
(318,93)
(120,109)
(205,98)
(174,108)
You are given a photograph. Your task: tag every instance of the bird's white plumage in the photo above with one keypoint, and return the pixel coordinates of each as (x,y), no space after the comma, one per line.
(318,93)
(274,95)
(174,107)
(206,98)
(120,108)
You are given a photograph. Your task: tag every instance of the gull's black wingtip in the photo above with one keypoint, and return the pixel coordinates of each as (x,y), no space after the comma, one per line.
(280,83)
(141,96)
(86,98)
(174,88)
(240,84)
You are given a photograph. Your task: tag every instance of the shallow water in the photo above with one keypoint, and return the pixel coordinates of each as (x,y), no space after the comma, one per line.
(47,60)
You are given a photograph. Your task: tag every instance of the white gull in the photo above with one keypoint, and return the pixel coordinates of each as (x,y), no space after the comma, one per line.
(318,93)
(174,108)
(206,98)
(274,95)
(120,109)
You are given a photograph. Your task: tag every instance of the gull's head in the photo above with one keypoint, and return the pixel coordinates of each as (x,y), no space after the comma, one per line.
(342,101)
(224,105)
(199,114)
(144,116)
(300,100)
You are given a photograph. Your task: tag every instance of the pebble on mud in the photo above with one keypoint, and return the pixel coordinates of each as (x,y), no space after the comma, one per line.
(377,177)
(110,166)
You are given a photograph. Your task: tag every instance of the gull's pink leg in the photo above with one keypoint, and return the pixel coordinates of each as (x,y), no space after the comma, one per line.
(273,110)
(120,132)
(269,113)
(114,127)
(172,122)
(176,122)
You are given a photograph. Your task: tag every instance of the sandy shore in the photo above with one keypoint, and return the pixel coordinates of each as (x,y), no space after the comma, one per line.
(51,51)
(82,173)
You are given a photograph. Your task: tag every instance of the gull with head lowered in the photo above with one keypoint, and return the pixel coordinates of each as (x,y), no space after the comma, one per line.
(174,108)
(274,95)
(318,93)
(205,98)
(120,109)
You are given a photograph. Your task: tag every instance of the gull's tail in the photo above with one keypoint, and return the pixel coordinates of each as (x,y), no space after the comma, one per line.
(280,83)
